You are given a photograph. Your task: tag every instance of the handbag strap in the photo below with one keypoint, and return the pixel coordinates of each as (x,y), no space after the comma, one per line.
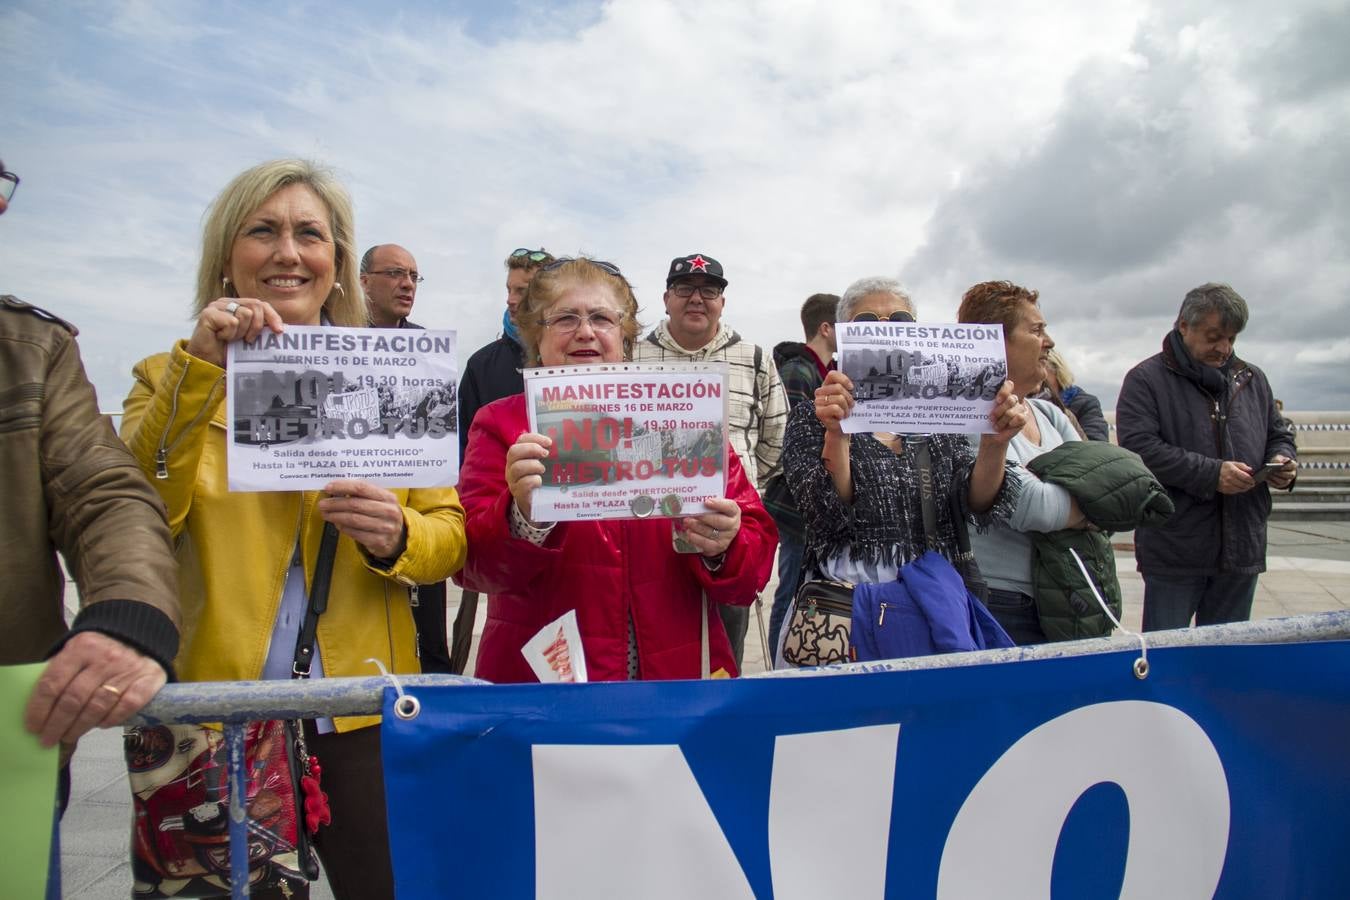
(925,459)
(705,653)
(318,602)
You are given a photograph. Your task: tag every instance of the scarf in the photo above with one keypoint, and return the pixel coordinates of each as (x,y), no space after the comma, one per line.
(1209,379)
(509,327)
(1212,381)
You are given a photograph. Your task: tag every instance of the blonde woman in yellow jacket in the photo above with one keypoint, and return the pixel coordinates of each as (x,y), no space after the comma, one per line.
(278,250)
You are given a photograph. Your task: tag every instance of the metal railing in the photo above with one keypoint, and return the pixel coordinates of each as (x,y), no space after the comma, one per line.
(236,703)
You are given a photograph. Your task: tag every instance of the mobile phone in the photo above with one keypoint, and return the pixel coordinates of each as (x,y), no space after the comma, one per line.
(1266,471)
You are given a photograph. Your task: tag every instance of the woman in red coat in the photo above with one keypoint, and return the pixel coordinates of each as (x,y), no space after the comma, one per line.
(636,599)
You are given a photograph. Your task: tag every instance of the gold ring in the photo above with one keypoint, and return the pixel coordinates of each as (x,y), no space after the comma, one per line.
(115,690)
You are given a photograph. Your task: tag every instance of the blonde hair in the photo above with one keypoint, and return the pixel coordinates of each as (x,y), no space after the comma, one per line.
(548,285)
(1060,369)
(345,304)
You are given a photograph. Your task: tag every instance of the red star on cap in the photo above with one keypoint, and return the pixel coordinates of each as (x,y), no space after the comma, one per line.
(698,264)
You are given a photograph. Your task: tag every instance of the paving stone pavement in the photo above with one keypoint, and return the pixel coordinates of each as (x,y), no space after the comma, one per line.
(1308,572)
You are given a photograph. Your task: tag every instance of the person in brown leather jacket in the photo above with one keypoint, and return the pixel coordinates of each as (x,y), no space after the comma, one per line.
(70,485)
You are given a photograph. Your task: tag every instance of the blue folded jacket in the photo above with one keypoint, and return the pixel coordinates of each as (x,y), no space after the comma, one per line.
(926,610)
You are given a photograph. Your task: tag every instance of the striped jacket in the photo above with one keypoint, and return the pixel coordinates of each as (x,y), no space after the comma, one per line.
(757,413)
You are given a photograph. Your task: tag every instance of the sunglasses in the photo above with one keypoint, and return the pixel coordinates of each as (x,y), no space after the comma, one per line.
(900,315)
(607,267)
(706,291)
(533,255)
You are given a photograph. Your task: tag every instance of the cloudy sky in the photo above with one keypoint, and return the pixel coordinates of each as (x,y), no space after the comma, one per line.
(1111,154)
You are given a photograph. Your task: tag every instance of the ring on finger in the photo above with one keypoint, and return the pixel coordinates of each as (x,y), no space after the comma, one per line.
(232,307)
(115,691)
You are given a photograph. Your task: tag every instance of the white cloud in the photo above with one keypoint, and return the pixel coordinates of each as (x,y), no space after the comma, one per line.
(1112,155)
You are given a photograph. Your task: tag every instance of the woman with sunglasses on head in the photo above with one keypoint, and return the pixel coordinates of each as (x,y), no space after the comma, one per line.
(859,494)
(637,600)
(1004,551)
(278,251)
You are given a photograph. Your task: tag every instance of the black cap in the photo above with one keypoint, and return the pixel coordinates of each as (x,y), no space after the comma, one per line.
(695,264)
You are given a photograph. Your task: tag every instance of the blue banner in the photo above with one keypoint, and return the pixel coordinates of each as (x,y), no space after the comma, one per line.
(1225,773)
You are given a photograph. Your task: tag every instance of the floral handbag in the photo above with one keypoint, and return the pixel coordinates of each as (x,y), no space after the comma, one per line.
(180,844)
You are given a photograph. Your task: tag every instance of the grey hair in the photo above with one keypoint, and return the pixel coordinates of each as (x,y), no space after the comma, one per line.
(1214,297)
(876,284)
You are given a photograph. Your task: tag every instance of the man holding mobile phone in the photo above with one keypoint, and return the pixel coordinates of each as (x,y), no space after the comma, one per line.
(1204,421)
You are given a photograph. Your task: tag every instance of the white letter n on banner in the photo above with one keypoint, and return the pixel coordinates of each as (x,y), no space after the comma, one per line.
(626,821)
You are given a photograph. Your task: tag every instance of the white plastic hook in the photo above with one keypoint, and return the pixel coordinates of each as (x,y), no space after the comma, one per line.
(406,706)
(1140,664)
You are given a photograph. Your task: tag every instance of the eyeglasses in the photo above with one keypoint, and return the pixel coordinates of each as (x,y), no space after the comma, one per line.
(706,291)
(399,275)
(8,182)
(601,320)
(900,315)
(607,267)
(534,255)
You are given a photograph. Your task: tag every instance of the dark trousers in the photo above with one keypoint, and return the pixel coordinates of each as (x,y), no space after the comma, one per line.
(1171,600)
(736,620)
(789,577)
(354,849)
(461,637)
(54,857)
(429,616)
(1016,612)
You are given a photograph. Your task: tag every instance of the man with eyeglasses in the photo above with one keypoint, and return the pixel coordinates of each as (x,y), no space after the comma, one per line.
(389,278)
(491,373)
(757,413)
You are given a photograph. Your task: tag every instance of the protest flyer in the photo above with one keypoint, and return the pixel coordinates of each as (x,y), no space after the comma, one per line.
(910,378)
(630,440)
(312,404)
(555,653)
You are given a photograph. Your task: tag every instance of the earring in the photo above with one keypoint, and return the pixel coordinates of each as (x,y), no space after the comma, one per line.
(337,286)
(225,285)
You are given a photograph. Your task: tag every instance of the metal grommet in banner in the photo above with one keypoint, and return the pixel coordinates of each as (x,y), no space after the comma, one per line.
(1141,668)
(642,506)
(407,707)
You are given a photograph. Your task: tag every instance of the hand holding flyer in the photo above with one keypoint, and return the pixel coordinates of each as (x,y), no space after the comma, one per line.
(910,378)
(628,441)
(313,403)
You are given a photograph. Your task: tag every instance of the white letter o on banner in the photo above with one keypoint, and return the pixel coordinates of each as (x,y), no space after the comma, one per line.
(1002,843)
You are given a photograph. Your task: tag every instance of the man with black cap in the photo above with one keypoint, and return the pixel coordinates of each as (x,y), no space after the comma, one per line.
(757,414)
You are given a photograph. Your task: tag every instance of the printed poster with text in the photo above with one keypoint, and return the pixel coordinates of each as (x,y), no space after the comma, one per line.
(314,403)
(629,440)
(910,378)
